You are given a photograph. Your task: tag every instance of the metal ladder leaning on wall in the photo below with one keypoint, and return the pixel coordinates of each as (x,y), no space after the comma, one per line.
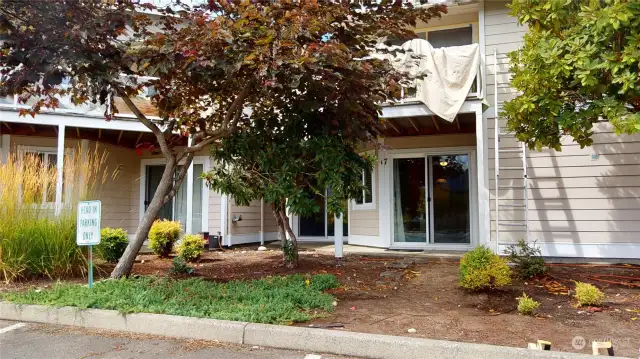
(508,204)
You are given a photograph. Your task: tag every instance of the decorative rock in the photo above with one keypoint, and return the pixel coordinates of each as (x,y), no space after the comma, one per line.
(391,275)
(412,331)
(399,265)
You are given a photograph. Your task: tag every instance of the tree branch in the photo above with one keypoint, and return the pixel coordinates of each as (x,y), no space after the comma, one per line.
(233,113)
(179,178)
(160,136)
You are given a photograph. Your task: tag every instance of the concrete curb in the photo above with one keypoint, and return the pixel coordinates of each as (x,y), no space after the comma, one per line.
(276,336)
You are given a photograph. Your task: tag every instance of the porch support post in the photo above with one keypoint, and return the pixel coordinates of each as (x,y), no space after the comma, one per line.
(337,235)
(482,165)
(5,142)
(59,169)
(189,219)
(262,247)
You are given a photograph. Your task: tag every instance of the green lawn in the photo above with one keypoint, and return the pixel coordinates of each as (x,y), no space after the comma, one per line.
(277,300)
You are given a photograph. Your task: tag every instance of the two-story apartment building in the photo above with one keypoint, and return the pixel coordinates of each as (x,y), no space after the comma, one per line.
(433,185)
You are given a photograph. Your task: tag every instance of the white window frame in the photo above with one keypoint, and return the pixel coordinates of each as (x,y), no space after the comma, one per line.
(474,203)
(365,206)
(46,151)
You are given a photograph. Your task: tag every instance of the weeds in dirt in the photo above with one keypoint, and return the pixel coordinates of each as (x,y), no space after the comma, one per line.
(527,259)
(179,266)
(277,300)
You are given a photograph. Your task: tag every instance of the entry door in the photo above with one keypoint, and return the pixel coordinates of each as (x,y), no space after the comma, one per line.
(431,200)
(154,175)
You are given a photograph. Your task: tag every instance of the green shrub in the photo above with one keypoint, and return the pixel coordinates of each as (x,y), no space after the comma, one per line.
(163,235)
(191,247)
(527,305)
(588,294)
(113,242)
(483,269)
(180,266)
(527,259)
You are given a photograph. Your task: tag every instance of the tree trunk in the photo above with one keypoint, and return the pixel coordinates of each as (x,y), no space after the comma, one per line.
(289,246)
(160,197)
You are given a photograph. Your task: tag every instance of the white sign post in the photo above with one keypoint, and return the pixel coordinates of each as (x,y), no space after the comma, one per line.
(88,229)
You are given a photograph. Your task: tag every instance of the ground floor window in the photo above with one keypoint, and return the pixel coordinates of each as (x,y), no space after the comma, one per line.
(322,223)
(431,199)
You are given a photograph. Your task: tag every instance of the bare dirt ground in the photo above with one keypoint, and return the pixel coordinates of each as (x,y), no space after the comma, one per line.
(426,297)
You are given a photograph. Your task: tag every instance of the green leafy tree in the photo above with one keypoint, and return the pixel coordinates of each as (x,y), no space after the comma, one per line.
(287,168)
(216,69)
(579,65)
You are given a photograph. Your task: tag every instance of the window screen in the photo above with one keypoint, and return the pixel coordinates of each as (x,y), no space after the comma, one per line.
(451,37)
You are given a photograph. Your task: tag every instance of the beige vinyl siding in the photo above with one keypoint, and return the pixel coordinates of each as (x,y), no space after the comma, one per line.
(119,195)
(573,197)
(456,140)
(35,141)
(215,200)
(270,223)
(250,223)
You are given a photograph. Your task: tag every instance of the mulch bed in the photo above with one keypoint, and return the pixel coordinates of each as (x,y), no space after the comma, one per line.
(426,297)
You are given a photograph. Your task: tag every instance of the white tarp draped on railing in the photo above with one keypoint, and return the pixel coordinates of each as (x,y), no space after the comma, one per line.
(443,76)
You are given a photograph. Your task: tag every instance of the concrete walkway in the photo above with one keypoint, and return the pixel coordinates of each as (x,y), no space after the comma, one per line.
(349,249)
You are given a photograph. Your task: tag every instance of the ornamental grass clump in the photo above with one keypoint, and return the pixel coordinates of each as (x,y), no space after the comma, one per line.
(34,241)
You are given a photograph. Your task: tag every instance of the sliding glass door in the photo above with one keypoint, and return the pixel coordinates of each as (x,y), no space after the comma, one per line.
(431,200)
(196,203)
(450,194)
(409,194)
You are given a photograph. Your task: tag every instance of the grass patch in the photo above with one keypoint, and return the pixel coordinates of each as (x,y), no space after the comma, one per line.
(277,300)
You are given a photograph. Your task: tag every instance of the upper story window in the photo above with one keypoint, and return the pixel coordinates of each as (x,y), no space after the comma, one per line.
(451,37)
(366,200)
